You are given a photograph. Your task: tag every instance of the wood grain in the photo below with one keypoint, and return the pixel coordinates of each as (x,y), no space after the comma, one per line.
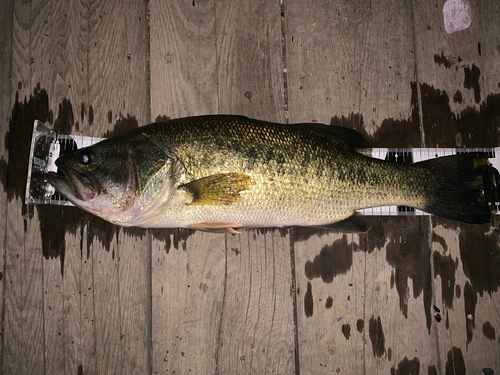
(188,269)
(118,95)
(183,58)
(459,73)
(6,12)
(348,58)
(188,272)
(23,316)
(257,329)
(249,59)
(354,62)
(52,29)
(81,296)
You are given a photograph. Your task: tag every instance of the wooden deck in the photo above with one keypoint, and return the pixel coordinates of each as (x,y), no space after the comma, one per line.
(80,296)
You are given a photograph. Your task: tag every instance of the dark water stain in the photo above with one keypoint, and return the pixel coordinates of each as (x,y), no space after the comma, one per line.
(470,300)
(136,232)
(55,222)
(123,125)
(101,230)
(376,237)
(308,301)
(407,367)
(377,337)
(24,113)
(346,331)
(162,118)
(479,48)
(172,237)
(443,60)
(4,168)
(432,370)
(480,256)
(91,115)
(458,291)
(408,252)
(110,116)
(329,302)
(457,97)
(391,133)
(441,124)
(440,240)
(406,248)
(360,325)
(447,320)
(392,279)
(471,81)
(389,354)
(488,331)
(333,260)
(455,364)
(65,120)
(80,370)
(82,112)
(445,267)
(302,234)
(488,371)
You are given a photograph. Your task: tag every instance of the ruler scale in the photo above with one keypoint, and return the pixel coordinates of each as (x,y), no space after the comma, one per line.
(47,146)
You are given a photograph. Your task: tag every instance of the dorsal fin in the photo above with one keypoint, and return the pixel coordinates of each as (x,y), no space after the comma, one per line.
(350,137)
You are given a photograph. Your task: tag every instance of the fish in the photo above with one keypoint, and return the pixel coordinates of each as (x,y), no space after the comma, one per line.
(219,173)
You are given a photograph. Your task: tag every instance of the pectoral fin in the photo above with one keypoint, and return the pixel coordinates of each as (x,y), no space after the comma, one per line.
(227,228)
(218,189)
(356,223)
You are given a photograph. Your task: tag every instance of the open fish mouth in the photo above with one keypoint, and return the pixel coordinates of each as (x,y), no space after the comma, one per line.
(75,184)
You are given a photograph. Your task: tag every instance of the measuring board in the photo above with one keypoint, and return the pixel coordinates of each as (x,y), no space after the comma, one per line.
(47,146)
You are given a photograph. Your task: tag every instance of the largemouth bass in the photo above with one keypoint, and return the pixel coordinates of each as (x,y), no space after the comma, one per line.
(218,173)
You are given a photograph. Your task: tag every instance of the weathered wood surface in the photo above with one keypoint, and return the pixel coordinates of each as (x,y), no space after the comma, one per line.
(5,107)
(234,317)
(82,296)
(460,77)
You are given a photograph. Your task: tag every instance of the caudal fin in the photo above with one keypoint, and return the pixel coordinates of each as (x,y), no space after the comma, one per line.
(460,190)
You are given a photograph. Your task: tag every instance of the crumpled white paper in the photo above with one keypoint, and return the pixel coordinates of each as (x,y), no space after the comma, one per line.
(457,15)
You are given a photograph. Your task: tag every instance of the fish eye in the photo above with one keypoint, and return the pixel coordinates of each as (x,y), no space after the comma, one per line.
(85,157)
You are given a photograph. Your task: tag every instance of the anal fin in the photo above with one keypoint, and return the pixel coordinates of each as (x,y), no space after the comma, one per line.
(226,228)
(356,223)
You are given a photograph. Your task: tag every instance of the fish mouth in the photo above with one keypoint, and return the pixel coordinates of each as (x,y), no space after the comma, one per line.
(74,184)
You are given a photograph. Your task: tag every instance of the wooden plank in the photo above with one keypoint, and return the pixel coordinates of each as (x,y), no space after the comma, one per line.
(249,82)
(183,58)
(64,306)
(257,327)
(188,268)
(249,59)
(59,74)
(23,317)
(189,281)
(460,74)
(6,13)
(335,61)
(117,101)
(353,63)
(459,77)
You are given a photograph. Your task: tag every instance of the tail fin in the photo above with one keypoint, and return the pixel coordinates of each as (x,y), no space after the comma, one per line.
(460,189)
